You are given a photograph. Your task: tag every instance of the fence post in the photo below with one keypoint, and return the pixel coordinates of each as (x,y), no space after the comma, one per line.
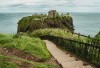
(88,36)
(72,33)
(79,35)
(86,52)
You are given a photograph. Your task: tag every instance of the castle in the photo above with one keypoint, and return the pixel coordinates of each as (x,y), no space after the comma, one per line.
(41,21)
(52,14)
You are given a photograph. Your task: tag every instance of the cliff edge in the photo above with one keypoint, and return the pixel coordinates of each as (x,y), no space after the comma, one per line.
(42,21)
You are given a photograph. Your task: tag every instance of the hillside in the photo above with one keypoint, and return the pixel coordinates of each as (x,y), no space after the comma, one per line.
(24,52)
(20,50)
(42,21)
(57,32)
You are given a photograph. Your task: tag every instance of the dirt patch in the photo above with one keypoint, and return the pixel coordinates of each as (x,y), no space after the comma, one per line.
(18,53)
(24,55)
(19,63)
(22,64)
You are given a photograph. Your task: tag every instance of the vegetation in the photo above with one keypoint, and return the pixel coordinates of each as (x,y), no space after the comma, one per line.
(15,62)
(17,48)
(98,36)
(31,23)
(64,33)
(33,46)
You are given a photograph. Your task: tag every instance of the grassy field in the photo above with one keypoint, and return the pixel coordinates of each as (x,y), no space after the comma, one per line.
(23,45)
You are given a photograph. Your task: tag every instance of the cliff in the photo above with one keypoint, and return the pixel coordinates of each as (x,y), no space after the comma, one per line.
(34,22)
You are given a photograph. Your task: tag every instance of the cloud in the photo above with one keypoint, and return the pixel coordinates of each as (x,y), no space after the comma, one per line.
(45,5)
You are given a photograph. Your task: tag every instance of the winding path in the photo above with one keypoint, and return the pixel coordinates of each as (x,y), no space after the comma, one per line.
(64,59)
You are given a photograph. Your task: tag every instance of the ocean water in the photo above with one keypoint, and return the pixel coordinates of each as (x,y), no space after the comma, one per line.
(8,21)
(85,23)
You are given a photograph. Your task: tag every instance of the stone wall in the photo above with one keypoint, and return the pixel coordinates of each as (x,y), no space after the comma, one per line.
(52,14)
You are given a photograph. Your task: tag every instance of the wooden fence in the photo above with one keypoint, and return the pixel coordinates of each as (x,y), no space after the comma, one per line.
(89,52)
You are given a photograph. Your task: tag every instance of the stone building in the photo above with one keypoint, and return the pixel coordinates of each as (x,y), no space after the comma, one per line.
(52,14)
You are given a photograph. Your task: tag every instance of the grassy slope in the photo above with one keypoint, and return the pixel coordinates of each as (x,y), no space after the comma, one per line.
(33,46)
(59,33)
(8,62)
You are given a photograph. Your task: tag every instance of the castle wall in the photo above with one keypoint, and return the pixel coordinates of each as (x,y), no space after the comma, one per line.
(52,14)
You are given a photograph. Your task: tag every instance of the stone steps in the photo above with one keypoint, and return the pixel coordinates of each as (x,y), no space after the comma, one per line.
(72,64)
(64,59)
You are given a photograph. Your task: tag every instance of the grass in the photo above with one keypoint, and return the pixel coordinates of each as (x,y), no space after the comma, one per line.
(7,62)
(31,23)
(98,36)
(59,33)
(34,46)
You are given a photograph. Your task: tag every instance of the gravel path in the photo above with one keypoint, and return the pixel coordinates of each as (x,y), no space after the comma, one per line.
(64,59)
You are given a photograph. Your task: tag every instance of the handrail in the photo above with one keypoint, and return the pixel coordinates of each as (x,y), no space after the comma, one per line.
(87,51)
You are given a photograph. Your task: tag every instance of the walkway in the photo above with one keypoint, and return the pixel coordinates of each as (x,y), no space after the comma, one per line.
(64,59)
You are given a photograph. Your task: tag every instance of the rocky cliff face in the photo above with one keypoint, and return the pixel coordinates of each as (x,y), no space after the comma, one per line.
(35,22)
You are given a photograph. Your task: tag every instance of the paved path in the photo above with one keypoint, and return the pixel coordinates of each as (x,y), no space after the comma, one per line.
(64,59)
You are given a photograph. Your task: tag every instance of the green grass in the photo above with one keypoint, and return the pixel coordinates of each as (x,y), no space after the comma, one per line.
(34,46)
(31,23)
(98,36)
(6,62)
(58,33)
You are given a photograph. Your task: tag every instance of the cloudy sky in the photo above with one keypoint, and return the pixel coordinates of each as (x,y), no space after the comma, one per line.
(45,5)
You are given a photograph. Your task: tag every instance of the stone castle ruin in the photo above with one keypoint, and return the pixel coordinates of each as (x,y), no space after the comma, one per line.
(52,14)
(52,20)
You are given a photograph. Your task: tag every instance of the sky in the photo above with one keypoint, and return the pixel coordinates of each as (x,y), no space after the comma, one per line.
(46,5)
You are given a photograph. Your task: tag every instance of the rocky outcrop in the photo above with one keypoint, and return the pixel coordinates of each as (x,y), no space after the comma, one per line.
(42,21)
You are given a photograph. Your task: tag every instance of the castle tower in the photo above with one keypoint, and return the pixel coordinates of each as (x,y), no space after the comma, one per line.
(52,14)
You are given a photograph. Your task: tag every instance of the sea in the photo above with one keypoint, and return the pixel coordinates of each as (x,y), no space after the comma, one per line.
(84,23)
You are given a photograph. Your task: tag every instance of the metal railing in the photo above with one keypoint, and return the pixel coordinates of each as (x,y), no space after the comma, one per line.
(89,52)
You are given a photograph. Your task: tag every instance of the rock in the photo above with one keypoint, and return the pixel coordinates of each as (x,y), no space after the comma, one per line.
(34,22)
